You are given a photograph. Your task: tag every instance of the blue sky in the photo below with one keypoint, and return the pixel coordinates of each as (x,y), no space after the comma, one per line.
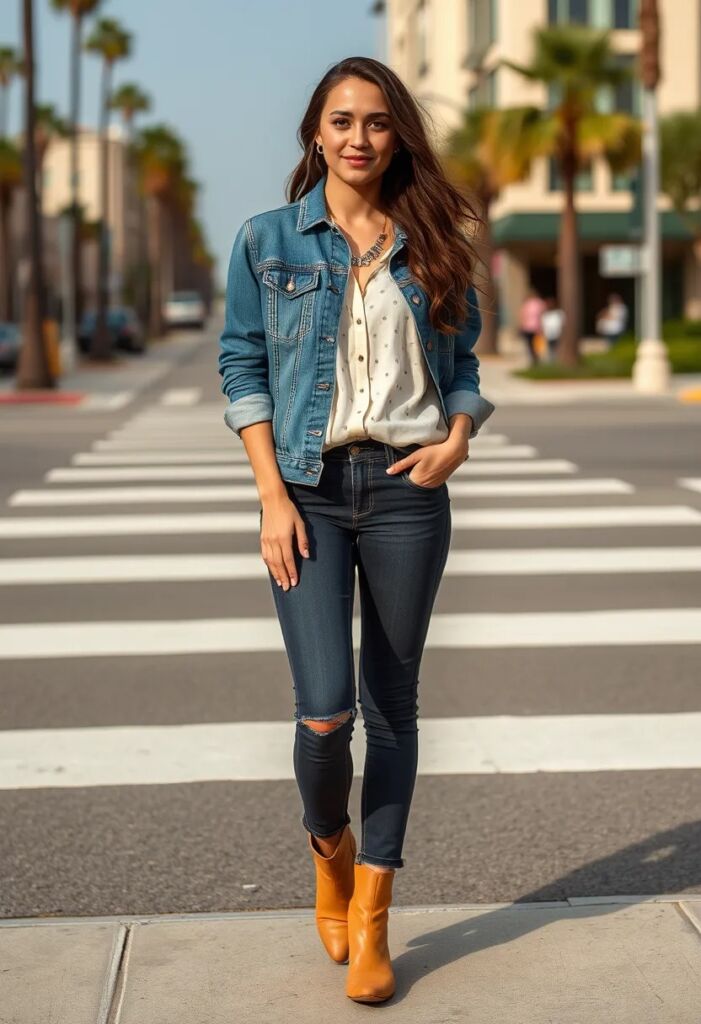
(233,77)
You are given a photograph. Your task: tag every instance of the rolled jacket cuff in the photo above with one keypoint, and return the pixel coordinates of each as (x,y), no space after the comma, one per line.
(476,406)
(247,410)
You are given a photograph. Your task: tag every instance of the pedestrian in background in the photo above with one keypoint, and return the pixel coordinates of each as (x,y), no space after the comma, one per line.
(356,396)
(613,319)
(551,323)
(529,322)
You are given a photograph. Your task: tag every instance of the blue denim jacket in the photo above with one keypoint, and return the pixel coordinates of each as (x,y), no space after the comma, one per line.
(277,353)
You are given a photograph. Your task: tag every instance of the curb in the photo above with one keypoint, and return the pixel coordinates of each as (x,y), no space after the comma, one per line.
(570,903)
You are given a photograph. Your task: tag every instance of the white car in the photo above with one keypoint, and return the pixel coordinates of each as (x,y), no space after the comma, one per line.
(184,309)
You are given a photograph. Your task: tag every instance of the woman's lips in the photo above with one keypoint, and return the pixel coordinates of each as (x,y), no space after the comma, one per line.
(357,159)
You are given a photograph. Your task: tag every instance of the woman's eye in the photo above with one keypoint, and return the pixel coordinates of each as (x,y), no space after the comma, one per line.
(344,120)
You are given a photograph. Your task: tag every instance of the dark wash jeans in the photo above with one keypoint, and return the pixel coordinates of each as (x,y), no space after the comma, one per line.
(397,533)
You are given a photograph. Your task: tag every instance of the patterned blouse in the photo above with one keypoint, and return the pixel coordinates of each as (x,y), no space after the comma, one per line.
(384,389)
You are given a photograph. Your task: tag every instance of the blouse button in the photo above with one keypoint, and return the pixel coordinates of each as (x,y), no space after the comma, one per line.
(361,358)
(359,321)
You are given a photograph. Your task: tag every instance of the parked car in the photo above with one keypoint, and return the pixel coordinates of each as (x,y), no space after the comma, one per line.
(184,309)
(123,324)
(10,339)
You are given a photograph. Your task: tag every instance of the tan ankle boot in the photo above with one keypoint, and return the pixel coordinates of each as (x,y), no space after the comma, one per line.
(370,976)
(334,888)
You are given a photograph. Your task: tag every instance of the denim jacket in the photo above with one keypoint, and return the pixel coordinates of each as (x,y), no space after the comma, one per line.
(277,353)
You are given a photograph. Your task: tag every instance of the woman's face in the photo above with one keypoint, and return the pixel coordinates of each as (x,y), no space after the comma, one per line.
(356,122)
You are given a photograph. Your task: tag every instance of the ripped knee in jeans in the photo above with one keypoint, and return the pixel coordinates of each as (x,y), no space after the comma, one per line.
(325,725)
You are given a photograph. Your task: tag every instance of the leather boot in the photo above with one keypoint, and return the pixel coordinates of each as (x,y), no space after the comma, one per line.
(334,888)
(370,976)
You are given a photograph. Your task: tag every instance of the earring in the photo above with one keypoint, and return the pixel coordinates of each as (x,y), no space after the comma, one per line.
(319,148)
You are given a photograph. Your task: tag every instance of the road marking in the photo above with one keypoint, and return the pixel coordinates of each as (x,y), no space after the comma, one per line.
(225,566)
(181,396)
(89,474)
(690,482)
(249,522)
(263,751)
(97,401)
(614,627)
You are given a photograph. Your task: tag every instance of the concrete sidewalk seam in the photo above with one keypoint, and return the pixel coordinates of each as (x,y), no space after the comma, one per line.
(114,971)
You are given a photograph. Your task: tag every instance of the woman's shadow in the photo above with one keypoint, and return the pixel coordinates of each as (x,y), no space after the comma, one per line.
(667,862)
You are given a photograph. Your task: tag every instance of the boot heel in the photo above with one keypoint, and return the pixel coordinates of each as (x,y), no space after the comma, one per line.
(334,888)
(370,976)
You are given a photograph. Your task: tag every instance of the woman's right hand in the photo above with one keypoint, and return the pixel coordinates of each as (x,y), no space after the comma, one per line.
(281,522)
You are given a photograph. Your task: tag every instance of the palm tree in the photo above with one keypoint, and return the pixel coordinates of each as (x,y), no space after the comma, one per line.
(10,66)
(162,163)
(33,367)
(48,125)
(576,62)
(78,11)
(490,150)
(110,41)
(130,100)
(11,177)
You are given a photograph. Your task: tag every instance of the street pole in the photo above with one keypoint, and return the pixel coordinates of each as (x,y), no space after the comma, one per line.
(651,369)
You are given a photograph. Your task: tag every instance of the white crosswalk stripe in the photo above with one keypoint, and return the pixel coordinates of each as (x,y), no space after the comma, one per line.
(224,566)
(262,751)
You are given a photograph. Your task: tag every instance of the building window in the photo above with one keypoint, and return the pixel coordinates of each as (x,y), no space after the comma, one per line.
(582,182)
(481,29)
(625,13)
(422,41)
(562,12)
(599,13)
(624,98)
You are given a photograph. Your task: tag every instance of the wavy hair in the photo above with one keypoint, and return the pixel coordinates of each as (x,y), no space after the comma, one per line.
(438,217)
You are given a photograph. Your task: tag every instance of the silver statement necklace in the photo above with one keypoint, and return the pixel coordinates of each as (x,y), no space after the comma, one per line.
(373,252)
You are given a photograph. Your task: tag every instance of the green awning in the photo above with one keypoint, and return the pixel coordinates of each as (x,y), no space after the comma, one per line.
(593,227)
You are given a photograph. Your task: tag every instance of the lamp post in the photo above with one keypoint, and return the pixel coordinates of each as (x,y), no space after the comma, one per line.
(651,369)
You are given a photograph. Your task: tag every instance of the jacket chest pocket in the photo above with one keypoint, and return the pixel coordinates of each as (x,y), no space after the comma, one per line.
(289,302)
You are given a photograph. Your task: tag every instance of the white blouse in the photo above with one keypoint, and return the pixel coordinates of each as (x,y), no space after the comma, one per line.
(384,388)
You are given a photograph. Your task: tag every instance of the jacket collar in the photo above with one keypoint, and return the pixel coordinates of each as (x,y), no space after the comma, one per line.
(312,210)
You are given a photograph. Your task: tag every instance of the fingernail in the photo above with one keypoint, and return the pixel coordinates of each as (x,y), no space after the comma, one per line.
(293,581)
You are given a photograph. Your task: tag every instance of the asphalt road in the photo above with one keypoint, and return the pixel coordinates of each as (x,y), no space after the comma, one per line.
(81,711)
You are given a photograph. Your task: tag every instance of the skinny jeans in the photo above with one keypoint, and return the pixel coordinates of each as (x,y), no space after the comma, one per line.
(397,534)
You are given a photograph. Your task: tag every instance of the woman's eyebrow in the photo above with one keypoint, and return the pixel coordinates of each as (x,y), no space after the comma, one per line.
(349,113)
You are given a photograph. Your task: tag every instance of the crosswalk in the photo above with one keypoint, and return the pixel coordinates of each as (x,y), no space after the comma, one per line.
(126,490)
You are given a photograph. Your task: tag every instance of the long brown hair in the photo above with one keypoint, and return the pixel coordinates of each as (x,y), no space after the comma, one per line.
(438,218)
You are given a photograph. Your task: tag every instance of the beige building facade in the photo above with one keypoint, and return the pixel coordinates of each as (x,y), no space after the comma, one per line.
(449,53)
(124,217)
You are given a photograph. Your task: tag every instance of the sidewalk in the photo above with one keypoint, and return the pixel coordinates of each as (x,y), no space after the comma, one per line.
(619,960)
(498,384)
(98,386)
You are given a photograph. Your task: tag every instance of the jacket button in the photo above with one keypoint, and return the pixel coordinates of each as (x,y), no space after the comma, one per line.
(290,286)
(415,299)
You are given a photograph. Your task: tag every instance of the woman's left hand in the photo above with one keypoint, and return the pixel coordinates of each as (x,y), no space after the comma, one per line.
(438,461)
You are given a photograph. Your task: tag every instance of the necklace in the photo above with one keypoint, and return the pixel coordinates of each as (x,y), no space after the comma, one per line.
(370,254)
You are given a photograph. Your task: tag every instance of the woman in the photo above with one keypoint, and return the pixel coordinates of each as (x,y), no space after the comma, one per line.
(531,311)
(347,360)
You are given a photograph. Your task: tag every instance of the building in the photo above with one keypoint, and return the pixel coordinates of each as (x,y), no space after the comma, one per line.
(125,219)
(449,52)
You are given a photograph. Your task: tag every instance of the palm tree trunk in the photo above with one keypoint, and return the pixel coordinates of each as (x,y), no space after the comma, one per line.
(568,263)
(488,339)
(76,45)
(33,367)
(5,256)
(155,240)
(3,111)
(101,343)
